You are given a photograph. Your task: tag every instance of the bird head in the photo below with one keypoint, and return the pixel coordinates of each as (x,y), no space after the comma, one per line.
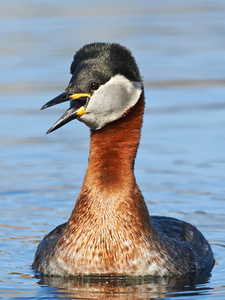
(105,84)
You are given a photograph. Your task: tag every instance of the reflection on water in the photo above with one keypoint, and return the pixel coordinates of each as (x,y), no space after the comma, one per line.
(179,47)
(108,287)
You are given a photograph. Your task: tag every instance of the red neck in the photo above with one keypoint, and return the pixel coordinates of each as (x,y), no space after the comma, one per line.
(113,150)
(109,186)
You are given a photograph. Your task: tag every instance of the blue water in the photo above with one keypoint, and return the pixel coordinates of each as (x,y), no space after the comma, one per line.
(180,50)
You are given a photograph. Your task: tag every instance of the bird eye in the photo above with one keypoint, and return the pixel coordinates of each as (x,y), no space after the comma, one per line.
(94,86)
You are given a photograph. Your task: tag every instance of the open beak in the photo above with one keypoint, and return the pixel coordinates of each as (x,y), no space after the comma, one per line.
(78,104)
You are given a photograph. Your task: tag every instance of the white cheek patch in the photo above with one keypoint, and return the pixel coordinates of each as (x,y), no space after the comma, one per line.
(111,101)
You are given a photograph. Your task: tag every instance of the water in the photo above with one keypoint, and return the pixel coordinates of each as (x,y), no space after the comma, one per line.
(179,47)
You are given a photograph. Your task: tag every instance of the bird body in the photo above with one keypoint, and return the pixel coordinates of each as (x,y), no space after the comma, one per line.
(110,231)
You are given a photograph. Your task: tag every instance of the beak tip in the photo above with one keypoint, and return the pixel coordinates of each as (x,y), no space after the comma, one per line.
(50,130)
(43,107)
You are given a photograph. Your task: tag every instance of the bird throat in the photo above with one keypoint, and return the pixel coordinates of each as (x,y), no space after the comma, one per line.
(113,150)
(109,179)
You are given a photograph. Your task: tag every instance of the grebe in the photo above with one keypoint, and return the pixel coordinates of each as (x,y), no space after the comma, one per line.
(110,231)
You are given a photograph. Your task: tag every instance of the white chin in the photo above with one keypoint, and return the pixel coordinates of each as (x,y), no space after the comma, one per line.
(111,101)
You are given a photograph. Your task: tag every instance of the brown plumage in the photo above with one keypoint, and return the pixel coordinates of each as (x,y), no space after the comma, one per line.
(110,230)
